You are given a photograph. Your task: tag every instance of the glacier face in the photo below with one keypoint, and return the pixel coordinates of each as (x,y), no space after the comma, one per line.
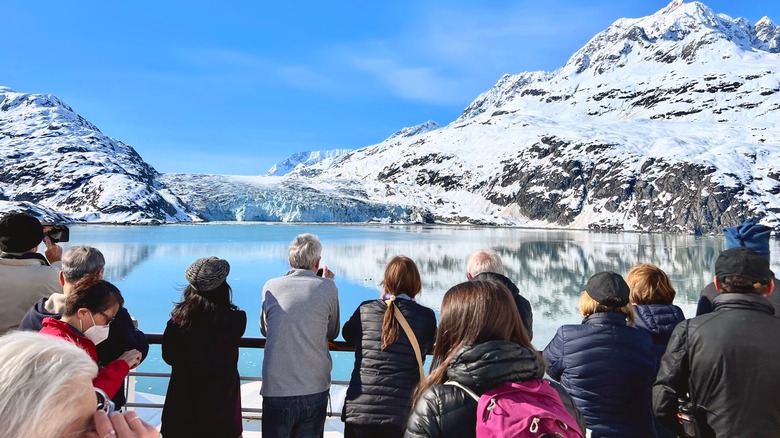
(661,123)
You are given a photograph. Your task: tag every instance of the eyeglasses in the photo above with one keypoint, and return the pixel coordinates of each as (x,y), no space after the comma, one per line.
(108,318)
(104,402)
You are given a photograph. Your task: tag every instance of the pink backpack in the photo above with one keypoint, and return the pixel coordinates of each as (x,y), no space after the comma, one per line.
(523,409)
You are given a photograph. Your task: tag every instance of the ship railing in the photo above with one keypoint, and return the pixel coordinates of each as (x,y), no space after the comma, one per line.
(247,413)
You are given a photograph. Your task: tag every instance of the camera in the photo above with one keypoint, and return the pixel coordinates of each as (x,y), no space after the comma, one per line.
(58,233)
(319,272)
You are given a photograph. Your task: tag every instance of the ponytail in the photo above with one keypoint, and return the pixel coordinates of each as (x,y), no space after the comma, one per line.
(389,324)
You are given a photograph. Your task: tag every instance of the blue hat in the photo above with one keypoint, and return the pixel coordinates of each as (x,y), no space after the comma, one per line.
(750,234)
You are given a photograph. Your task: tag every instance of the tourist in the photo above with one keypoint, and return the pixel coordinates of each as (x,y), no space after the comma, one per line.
(480,344)
(607,366)
(726,360)
(652,295)
(78,263)
(200,344)
(386,362)
(749,234)
(27,275)
(40,373)
(300,314)
(89,310)
(485,264)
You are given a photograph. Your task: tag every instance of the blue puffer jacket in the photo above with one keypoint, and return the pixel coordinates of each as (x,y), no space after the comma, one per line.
(609,369)
(660,320)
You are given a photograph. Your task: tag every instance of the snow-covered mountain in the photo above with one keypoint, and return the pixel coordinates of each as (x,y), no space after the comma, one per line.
(57,165)
(662,123)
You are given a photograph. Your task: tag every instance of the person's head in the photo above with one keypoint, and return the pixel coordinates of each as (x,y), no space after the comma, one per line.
(401,277)
(81,261)
(304,252)
(92,302)
(472,313)
(20,233)
(749,234)
(649,285)
(742,270)
(207,295)
(41,374)
(483,260)
(606,292)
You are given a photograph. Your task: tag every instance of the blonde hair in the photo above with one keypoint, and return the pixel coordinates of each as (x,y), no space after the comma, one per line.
(649,285)
(39,373)
(588,306)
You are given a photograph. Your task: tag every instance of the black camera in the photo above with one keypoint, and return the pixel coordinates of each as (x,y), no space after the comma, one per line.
(57,233)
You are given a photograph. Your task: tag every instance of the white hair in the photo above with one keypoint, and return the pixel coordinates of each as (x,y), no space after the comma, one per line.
(80,261)
(304,251)
(41,374)
(484,260)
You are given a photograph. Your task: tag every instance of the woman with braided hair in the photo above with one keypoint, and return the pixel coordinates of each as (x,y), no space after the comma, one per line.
(386,366)
(89,310)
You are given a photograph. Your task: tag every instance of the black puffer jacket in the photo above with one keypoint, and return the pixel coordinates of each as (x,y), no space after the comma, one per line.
(609,369)
(382,380)
(523,305)
(660,320)
(728,360)
(448,411)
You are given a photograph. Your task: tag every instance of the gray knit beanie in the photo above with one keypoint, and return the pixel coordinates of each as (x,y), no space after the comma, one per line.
(207,273)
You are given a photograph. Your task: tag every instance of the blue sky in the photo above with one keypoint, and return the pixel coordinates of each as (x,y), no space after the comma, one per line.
(234,87)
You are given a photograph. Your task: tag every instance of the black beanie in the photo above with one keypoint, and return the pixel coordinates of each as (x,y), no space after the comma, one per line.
(20,232)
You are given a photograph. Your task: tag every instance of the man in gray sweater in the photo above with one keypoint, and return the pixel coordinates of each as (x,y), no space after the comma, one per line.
(300,315)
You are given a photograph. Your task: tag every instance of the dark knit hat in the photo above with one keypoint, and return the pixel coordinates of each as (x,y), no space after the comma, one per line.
(207,273)
(750,234)
(743,262)
(608,289)
(20,232)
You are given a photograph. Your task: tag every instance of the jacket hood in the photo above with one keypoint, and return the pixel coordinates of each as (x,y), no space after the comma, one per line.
(658,318)
(487,365)
(742,301)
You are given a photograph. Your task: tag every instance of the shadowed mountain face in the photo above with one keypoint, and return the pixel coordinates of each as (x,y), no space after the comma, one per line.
(662,123)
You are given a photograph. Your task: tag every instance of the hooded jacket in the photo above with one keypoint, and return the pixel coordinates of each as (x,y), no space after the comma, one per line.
(660,320)
(448,411)
(382,380)
(727,361)
(523,305)
(111,376)
(609,369)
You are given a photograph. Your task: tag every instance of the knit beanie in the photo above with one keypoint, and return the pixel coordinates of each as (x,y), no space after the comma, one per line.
(20,232)
(207,273)
(749,234)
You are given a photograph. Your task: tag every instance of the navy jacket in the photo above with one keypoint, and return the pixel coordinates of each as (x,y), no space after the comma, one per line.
(609,369)
(382,380)
(122,336)
(660,320)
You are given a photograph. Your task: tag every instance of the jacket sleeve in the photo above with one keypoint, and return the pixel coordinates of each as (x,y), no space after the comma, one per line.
(263,326)
(334,319)
(425,420)
(172,344)
(350,329)
(122,336)
(553,356)
(672,380)
(111,377)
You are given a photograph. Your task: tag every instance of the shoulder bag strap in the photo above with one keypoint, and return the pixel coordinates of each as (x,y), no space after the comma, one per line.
(412,338)
(463,387)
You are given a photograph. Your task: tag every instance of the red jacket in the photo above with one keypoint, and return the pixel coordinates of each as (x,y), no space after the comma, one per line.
(111,376)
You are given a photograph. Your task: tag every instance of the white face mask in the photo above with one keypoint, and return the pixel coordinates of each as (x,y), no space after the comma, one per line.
(97,333)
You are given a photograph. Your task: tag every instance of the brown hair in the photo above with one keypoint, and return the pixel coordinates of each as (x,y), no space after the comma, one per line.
(649,285)
(473,312)
(588,306)
(401,277)
(93,294)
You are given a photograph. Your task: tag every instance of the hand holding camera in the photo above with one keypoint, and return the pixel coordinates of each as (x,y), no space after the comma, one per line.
(325,272)
(51,235)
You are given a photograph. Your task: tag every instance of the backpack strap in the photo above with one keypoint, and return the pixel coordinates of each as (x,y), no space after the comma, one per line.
(412,338)
(463,387)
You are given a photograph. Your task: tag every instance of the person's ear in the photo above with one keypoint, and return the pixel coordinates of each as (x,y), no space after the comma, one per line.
(718,286)
(62,279)
(100,274)
(770,288)
(468,275)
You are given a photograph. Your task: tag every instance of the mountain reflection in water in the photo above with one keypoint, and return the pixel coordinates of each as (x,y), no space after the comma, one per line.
(549,266)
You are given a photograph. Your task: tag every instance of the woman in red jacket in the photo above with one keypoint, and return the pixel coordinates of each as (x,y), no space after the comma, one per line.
(89,310)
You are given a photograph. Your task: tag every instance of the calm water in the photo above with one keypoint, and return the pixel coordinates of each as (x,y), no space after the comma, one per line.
(549,267)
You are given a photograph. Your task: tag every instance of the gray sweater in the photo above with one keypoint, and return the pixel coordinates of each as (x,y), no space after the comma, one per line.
(300,315)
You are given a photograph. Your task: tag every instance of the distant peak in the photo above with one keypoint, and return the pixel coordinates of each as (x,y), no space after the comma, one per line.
(422,128)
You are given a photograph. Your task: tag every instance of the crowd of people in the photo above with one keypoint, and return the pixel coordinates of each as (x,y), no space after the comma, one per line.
(634,366)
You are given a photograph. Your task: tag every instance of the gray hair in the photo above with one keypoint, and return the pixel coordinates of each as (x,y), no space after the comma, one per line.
(80,261)
(304,251)
(38,372)
(484,260)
